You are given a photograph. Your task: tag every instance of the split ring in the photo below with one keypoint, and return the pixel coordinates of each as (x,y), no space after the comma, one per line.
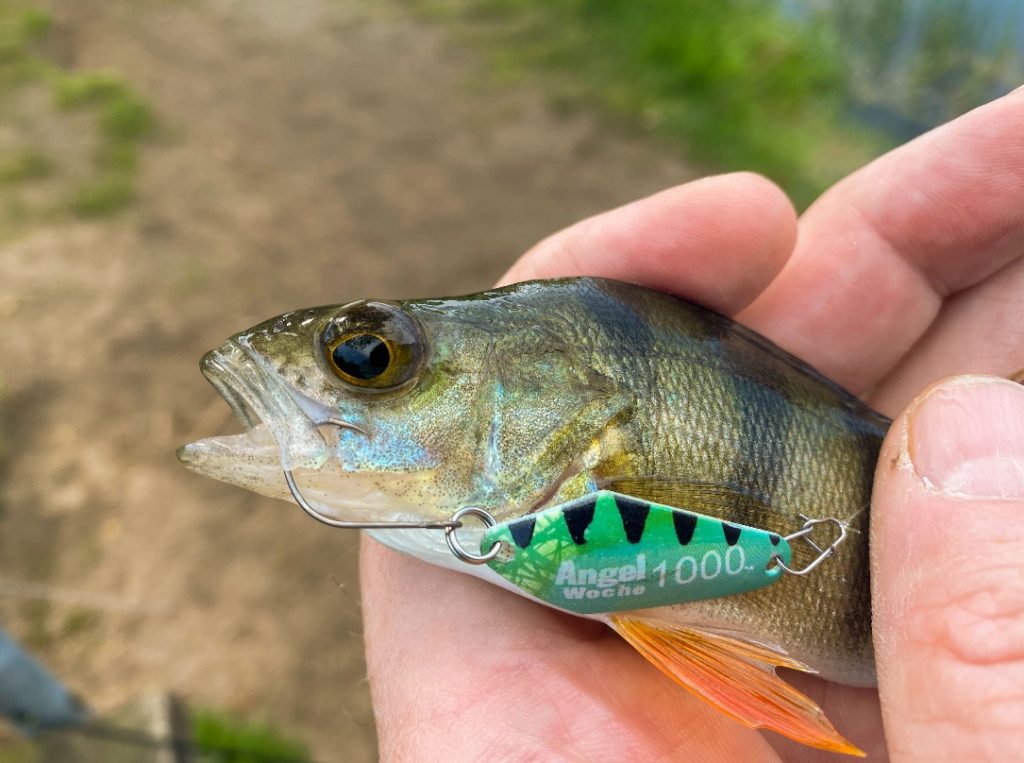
(453,542)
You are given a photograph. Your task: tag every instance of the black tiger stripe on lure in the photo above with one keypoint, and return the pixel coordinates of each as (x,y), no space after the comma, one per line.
(633,513)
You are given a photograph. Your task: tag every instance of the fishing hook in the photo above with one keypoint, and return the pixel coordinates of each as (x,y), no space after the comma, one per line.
(319,516)
(343,524)
(449,526)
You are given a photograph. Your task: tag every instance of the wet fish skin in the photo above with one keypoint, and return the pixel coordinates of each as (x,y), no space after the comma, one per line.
(544,391)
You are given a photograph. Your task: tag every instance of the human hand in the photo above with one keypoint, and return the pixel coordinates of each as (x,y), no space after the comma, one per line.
(910,270)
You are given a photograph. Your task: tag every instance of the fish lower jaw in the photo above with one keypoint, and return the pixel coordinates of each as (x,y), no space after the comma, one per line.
(251,460)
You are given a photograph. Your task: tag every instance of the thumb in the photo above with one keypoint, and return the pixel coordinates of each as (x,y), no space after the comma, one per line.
(947,541)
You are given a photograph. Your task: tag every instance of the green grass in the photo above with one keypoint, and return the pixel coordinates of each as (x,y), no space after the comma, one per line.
(86,88)
(125,119)
(19,751)
(221,738)
(124,116)
(21,31)
(216,736)
(732,82)
(78,622)
(28,164)
(21,28)
(122,119)
(103,196)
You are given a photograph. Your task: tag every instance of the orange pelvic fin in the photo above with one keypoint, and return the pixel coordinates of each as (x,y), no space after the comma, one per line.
(736,677)
(1018,376)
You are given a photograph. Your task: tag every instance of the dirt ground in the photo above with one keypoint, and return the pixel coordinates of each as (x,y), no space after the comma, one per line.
(311,151)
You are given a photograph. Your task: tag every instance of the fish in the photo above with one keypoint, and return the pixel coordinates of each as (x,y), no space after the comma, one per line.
(523,401)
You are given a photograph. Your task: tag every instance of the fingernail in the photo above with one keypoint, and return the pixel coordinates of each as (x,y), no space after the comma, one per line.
(966,437)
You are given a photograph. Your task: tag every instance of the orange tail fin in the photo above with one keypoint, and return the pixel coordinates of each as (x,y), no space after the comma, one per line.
(736,677)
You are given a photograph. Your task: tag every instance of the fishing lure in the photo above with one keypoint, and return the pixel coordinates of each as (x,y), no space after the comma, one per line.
(596,446)
(608,552)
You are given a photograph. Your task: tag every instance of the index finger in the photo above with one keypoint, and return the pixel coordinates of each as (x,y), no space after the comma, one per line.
(878,253)
(717,241)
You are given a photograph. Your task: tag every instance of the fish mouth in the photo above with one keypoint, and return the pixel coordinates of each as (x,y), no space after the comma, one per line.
(280,434)
(215,367)
(285,430)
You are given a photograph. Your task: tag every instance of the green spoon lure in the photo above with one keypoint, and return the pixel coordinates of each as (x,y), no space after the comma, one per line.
(608,552)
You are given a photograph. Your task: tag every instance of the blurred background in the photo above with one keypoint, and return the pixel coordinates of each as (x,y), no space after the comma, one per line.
(172,171)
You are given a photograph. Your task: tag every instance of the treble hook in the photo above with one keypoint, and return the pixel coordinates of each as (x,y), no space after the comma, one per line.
(823,554)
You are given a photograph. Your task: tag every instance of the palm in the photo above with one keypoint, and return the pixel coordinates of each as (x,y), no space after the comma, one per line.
(903,273)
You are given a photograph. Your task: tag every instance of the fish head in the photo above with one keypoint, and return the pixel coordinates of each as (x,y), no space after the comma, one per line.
(401,411)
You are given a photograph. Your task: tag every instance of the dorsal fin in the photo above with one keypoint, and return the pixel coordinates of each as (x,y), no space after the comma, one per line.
(736,677)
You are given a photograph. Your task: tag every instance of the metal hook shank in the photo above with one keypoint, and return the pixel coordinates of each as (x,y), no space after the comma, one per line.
(449,527)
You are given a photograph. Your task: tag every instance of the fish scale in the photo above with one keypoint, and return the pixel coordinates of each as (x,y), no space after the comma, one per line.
(741,403)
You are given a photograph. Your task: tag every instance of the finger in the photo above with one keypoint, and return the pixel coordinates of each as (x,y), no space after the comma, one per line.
(877,254)
(980,331)
(948,573)
(718,241)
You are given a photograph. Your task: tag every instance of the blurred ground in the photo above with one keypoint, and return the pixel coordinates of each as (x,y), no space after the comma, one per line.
(311,151)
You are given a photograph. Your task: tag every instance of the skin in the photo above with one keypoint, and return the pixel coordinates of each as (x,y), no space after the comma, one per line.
(908,271)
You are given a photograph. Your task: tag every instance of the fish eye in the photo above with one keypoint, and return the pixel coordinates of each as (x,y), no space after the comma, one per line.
(364,356)
(373,345)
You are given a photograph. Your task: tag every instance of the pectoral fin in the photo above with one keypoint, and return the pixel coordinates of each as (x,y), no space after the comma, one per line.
(736,677)
(547,410)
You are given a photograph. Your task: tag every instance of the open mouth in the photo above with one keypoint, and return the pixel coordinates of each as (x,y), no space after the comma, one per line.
(279,432)
(284,430)
(218,374)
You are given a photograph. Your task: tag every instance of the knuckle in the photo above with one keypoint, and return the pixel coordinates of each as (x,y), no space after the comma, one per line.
(977,617)
(968,627)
